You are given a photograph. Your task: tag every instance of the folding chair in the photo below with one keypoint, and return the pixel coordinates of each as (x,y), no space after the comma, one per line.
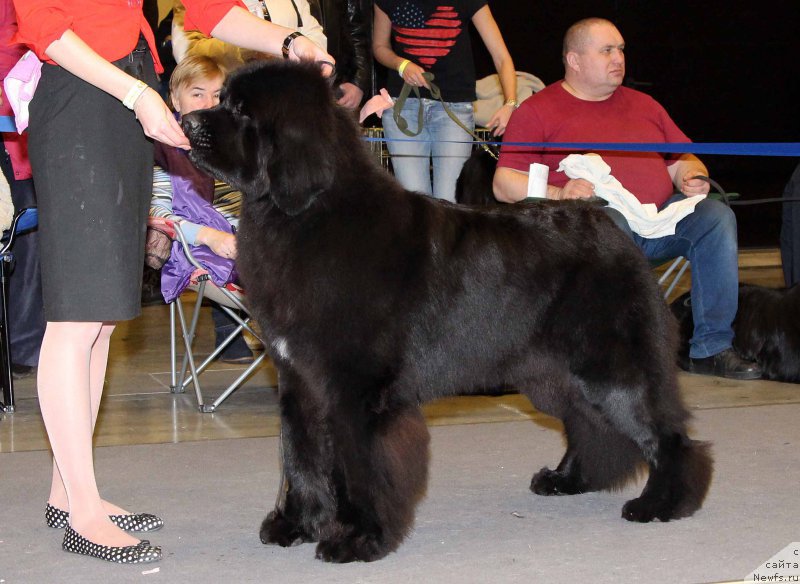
(23,221)
(667,280)
(230,299)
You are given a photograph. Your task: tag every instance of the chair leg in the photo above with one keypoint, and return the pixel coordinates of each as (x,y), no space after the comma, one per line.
(7,405)
(173,358)
(188,341)
(180,383)
(674,281)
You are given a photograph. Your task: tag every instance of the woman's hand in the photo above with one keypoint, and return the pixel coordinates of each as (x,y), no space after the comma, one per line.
(221,243)
(158,121)
(500,119)
(412,74)
(304,49)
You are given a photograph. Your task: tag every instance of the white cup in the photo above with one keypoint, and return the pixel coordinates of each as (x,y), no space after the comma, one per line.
(537,181)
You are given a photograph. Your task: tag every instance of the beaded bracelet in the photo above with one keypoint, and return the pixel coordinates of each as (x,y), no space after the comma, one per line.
(134,93)
(401,69)
(287,43)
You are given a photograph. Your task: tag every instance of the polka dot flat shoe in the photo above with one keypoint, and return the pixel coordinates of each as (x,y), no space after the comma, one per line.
(141,553)
(136,522)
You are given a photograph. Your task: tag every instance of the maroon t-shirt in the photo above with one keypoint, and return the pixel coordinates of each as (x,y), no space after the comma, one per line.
(555,115)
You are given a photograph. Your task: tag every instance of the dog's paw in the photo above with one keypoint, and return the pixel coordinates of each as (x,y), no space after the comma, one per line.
(550,482)
(277,530)
(352,548)
(644,510)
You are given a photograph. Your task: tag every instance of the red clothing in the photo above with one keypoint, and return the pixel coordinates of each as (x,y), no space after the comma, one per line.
(110,27)
(555,115)
(15,145)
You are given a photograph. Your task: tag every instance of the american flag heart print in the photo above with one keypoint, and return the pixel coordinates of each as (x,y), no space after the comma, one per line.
(426,38)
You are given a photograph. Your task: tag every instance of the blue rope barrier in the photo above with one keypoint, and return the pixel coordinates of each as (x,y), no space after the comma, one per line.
(726,148)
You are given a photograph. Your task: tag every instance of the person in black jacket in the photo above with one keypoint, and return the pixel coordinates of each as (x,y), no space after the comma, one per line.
(790,231)
(348,26)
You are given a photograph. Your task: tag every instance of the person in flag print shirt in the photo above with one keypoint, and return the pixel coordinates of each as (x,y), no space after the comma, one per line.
(415,36)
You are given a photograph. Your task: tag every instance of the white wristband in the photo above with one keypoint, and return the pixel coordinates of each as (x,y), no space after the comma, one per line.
(134,93)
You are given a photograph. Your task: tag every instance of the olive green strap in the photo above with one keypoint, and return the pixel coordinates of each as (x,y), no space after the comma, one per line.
(436,93)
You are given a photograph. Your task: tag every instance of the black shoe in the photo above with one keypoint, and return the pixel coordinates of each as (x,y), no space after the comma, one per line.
(141,553)
(726,364)
(136,522)
(22,371)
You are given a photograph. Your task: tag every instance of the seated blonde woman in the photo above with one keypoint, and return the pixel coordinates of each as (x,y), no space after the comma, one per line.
(207,209)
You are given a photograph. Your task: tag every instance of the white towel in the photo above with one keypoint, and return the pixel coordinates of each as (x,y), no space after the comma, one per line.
(646,220)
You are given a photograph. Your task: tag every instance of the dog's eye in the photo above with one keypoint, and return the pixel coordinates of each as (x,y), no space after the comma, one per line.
(236,108)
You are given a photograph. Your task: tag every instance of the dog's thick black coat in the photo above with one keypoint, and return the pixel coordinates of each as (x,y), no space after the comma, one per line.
(766,329)
(376,299)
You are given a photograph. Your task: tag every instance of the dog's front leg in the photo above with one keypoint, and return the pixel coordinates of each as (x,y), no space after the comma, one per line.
(381,474)
(308,503)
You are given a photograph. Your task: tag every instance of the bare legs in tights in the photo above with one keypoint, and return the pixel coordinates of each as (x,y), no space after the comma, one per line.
(71,374)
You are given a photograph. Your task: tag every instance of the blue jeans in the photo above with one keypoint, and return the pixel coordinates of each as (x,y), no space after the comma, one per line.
(441,139)
(707,238)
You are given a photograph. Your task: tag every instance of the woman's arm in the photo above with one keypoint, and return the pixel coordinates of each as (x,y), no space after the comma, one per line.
(382,50)
(243,29)
(81,60)
(490,34)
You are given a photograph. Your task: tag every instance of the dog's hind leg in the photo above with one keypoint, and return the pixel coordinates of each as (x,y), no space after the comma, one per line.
(382,469)
(566,479)
(680,469)
(597,457)
(309,502)
(680,475)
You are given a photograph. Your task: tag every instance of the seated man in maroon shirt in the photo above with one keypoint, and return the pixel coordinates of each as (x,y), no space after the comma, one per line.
(590,105)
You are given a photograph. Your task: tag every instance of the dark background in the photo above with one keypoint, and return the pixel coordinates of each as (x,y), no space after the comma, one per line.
(725,71)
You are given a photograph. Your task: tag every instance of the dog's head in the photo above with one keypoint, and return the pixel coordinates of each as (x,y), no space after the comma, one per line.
(269,134)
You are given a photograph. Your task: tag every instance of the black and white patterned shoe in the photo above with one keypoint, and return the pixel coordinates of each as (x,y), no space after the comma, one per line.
(136,522)
(141,553)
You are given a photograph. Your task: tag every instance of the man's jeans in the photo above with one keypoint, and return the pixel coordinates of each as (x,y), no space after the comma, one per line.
(707,238)
(441,139)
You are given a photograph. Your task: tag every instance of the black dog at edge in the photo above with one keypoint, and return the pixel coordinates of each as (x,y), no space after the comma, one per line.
(766,329)
(376,299)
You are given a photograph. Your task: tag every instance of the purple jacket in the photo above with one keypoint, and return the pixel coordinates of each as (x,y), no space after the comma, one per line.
(192,198)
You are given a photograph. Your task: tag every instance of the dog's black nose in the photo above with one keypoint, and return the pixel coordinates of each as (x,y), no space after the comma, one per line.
(190,123)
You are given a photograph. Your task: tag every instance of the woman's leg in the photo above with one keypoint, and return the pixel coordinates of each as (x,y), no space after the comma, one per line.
(451,146)
(411,157)
(71,373)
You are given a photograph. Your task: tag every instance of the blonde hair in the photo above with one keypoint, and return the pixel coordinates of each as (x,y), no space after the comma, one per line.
(192,68)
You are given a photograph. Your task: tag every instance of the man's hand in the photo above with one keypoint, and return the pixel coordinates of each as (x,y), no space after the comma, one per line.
(351,95)
(576,188)
(691,187)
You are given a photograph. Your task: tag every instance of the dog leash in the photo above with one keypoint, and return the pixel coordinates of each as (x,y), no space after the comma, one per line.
(728,202)
(436,93)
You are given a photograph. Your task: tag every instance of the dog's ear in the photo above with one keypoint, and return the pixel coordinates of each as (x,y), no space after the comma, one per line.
(300,166)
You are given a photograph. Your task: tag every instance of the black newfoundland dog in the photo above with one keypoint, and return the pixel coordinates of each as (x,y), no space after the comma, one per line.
(766,329)
(376,299)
